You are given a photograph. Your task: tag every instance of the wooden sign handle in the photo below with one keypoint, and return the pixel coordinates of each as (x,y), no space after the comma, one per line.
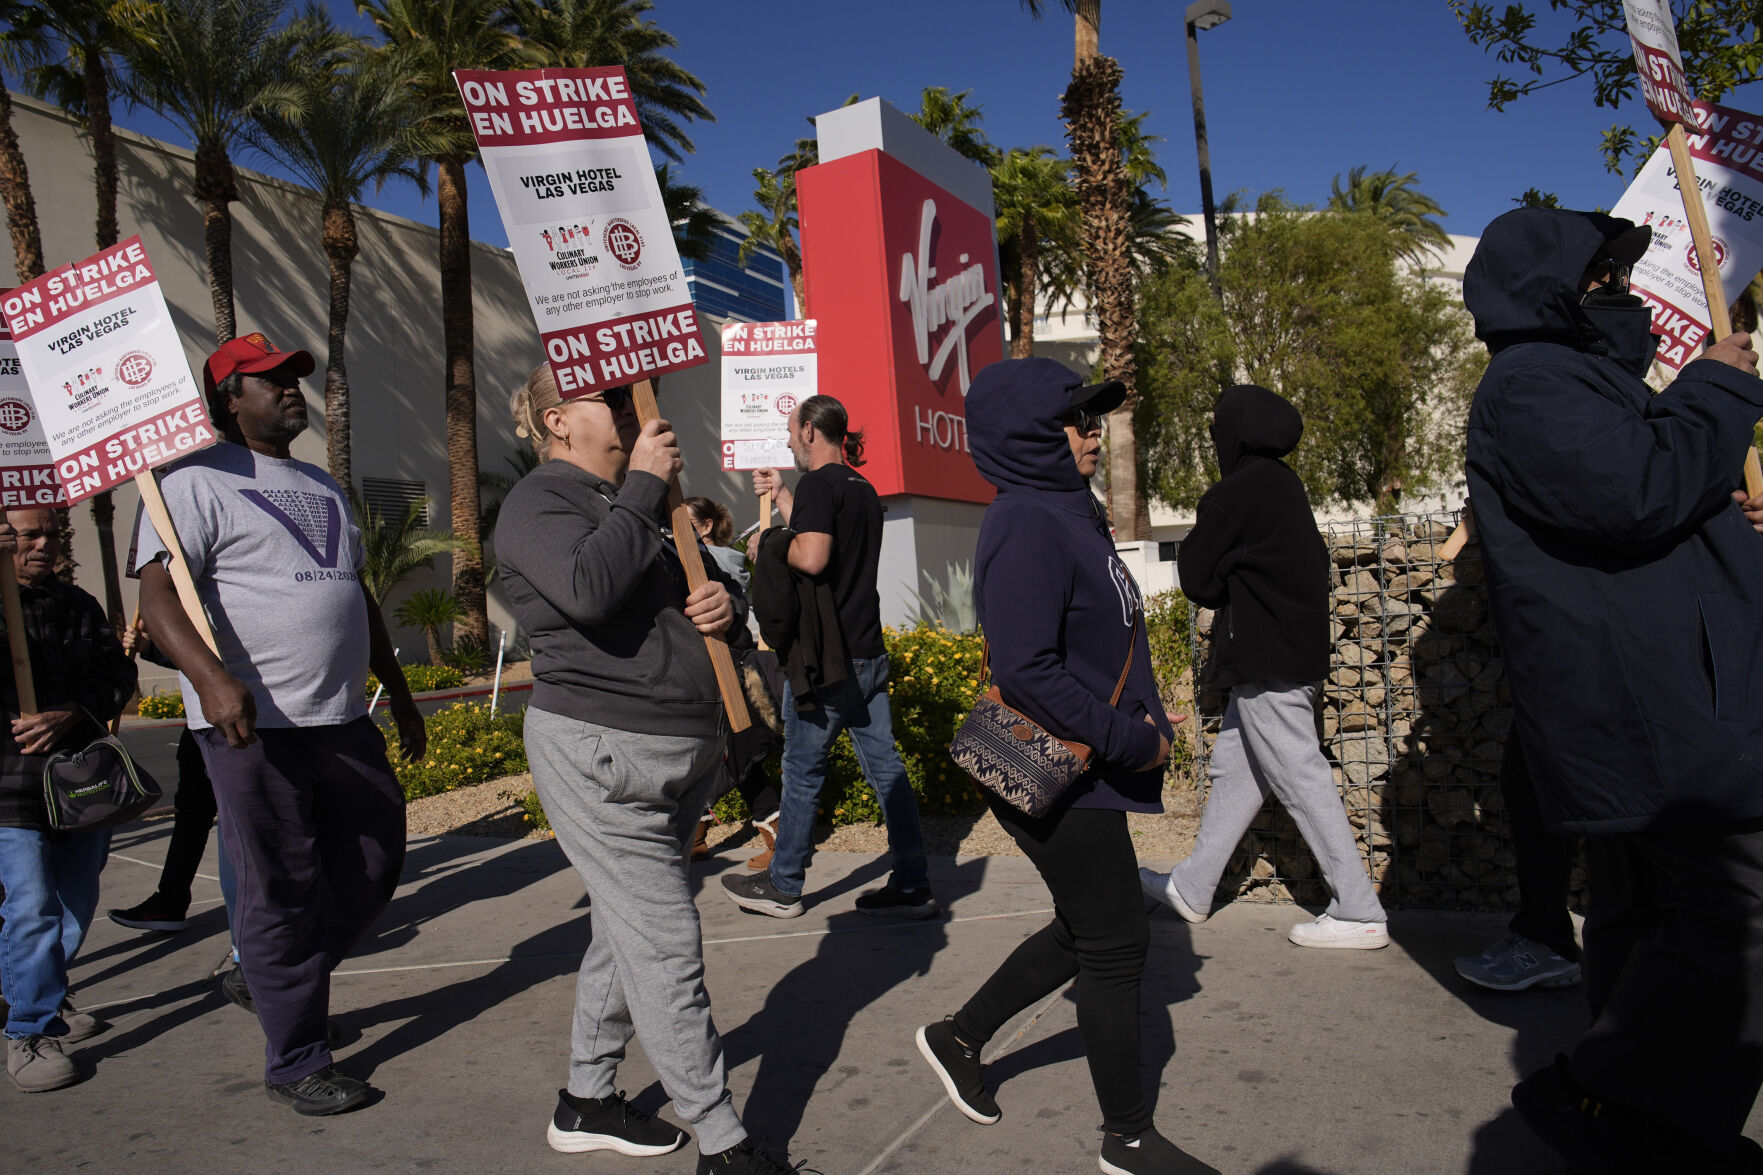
(764,512)
(16,637)
(154,503)
(685,541)
(1719,315)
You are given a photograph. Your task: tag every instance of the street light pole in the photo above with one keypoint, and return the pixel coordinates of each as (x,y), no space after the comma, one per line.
(1205,14)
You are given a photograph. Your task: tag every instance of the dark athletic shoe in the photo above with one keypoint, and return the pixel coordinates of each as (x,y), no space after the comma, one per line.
(1148,1153)
(957,1067)
(1597,1135)
(757,895)
(609,1124)
(318,1094)
(743,1159)
(889,902)
(153,914)
(237,993)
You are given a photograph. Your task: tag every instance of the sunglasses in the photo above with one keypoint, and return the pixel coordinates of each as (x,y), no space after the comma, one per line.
(617,399)
(1084,422)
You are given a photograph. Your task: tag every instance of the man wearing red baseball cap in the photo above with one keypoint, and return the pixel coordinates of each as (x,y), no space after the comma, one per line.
(311,813)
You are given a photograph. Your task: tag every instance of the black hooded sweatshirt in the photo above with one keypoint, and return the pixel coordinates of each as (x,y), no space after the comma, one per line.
(1254,552)
(1056,602)
(1626,585)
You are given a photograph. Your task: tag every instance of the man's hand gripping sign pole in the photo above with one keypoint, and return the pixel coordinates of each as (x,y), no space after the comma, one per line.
(111,390)
(570,170)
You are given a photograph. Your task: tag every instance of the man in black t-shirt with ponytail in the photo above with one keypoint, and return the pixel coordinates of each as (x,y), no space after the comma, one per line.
(836,521)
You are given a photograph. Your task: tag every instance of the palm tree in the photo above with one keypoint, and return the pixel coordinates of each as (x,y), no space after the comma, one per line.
(583,34)
(950,118)
(694,222)
(213,67)
(393,548)
(1155,243)
(352,129)
(20,44)
(84,43)
(426,40)
(1035,203)
(775,226)
(1395,200)
(431,610)
(1091,109)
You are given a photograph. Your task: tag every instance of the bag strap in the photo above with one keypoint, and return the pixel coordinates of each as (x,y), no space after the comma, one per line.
(1132,646)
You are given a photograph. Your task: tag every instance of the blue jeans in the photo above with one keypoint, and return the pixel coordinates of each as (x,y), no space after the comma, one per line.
(860,705)
(51,885)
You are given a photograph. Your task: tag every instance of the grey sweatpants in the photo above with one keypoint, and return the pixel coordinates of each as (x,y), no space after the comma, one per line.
(625,808)
(1268,743)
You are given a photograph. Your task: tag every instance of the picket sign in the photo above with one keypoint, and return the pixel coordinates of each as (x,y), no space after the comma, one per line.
(112,387)
(569,167)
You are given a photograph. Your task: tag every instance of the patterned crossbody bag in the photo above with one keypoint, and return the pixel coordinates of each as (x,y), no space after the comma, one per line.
(1013,757)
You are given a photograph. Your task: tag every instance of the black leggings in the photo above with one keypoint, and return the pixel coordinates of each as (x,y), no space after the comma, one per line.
(195,808)
(1098,934)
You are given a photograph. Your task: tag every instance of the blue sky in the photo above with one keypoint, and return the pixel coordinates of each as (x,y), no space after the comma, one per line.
(1297,91)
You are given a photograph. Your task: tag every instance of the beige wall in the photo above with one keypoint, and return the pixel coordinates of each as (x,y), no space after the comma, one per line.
(281,284)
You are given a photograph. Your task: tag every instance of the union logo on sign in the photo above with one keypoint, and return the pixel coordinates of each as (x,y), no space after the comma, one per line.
(624,242)
(1695,260)
(786,404)
(136,368)
(15,416)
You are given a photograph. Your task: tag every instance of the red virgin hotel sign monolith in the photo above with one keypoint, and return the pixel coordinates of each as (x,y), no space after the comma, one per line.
(902,275)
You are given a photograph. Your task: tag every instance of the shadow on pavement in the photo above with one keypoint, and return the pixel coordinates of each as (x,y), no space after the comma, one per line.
(1544,1022)
(800,1031)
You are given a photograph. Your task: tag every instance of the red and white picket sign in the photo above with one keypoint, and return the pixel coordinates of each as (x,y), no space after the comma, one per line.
(1651,30)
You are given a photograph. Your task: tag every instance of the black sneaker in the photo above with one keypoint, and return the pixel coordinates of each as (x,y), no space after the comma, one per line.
(318,1094)
(238,993)
(743,1159)
(1148,1153)
(888,902)
(757,895)
(1597,1135)
(153,914)
(609,1124)
(957,1066)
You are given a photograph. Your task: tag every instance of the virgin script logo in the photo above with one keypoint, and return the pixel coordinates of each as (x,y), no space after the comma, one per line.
(948,306)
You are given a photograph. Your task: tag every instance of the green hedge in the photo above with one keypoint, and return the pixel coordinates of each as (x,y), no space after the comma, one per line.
(170,703)
(467,745)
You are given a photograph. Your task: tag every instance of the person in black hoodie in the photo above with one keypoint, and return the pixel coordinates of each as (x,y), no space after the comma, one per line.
(1062,614)
(1255,555)
(1627,589)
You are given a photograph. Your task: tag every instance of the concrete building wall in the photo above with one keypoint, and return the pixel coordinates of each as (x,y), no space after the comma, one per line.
(281,287)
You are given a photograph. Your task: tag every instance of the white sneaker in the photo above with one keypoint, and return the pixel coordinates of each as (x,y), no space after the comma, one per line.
(1160,888)
(1348,936)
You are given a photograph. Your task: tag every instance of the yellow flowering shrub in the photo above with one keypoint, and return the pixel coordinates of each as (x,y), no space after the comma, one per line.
(169,704)
(467,745)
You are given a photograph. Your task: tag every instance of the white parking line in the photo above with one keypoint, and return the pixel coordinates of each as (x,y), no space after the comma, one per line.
(151,865)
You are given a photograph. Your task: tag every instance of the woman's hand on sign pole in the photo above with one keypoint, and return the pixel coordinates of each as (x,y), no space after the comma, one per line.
(657,452)
(709,608)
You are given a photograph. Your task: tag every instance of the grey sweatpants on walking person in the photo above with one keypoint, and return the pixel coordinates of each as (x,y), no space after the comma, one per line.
(625,808)
(1268,743)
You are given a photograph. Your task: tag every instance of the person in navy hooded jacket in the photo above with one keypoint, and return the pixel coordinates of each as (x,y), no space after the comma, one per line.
(1627,589)
(1061,613)
(1256,556)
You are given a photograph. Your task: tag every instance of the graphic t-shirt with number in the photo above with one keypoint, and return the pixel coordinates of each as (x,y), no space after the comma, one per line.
(275,556)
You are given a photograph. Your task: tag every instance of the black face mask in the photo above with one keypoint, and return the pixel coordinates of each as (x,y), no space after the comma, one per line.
(1625,326)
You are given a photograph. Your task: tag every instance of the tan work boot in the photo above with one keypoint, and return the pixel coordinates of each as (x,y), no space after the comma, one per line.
(37,1064)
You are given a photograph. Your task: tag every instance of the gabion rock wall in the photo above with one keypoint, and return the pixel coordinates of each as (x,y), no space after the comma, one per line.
(1414,717)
